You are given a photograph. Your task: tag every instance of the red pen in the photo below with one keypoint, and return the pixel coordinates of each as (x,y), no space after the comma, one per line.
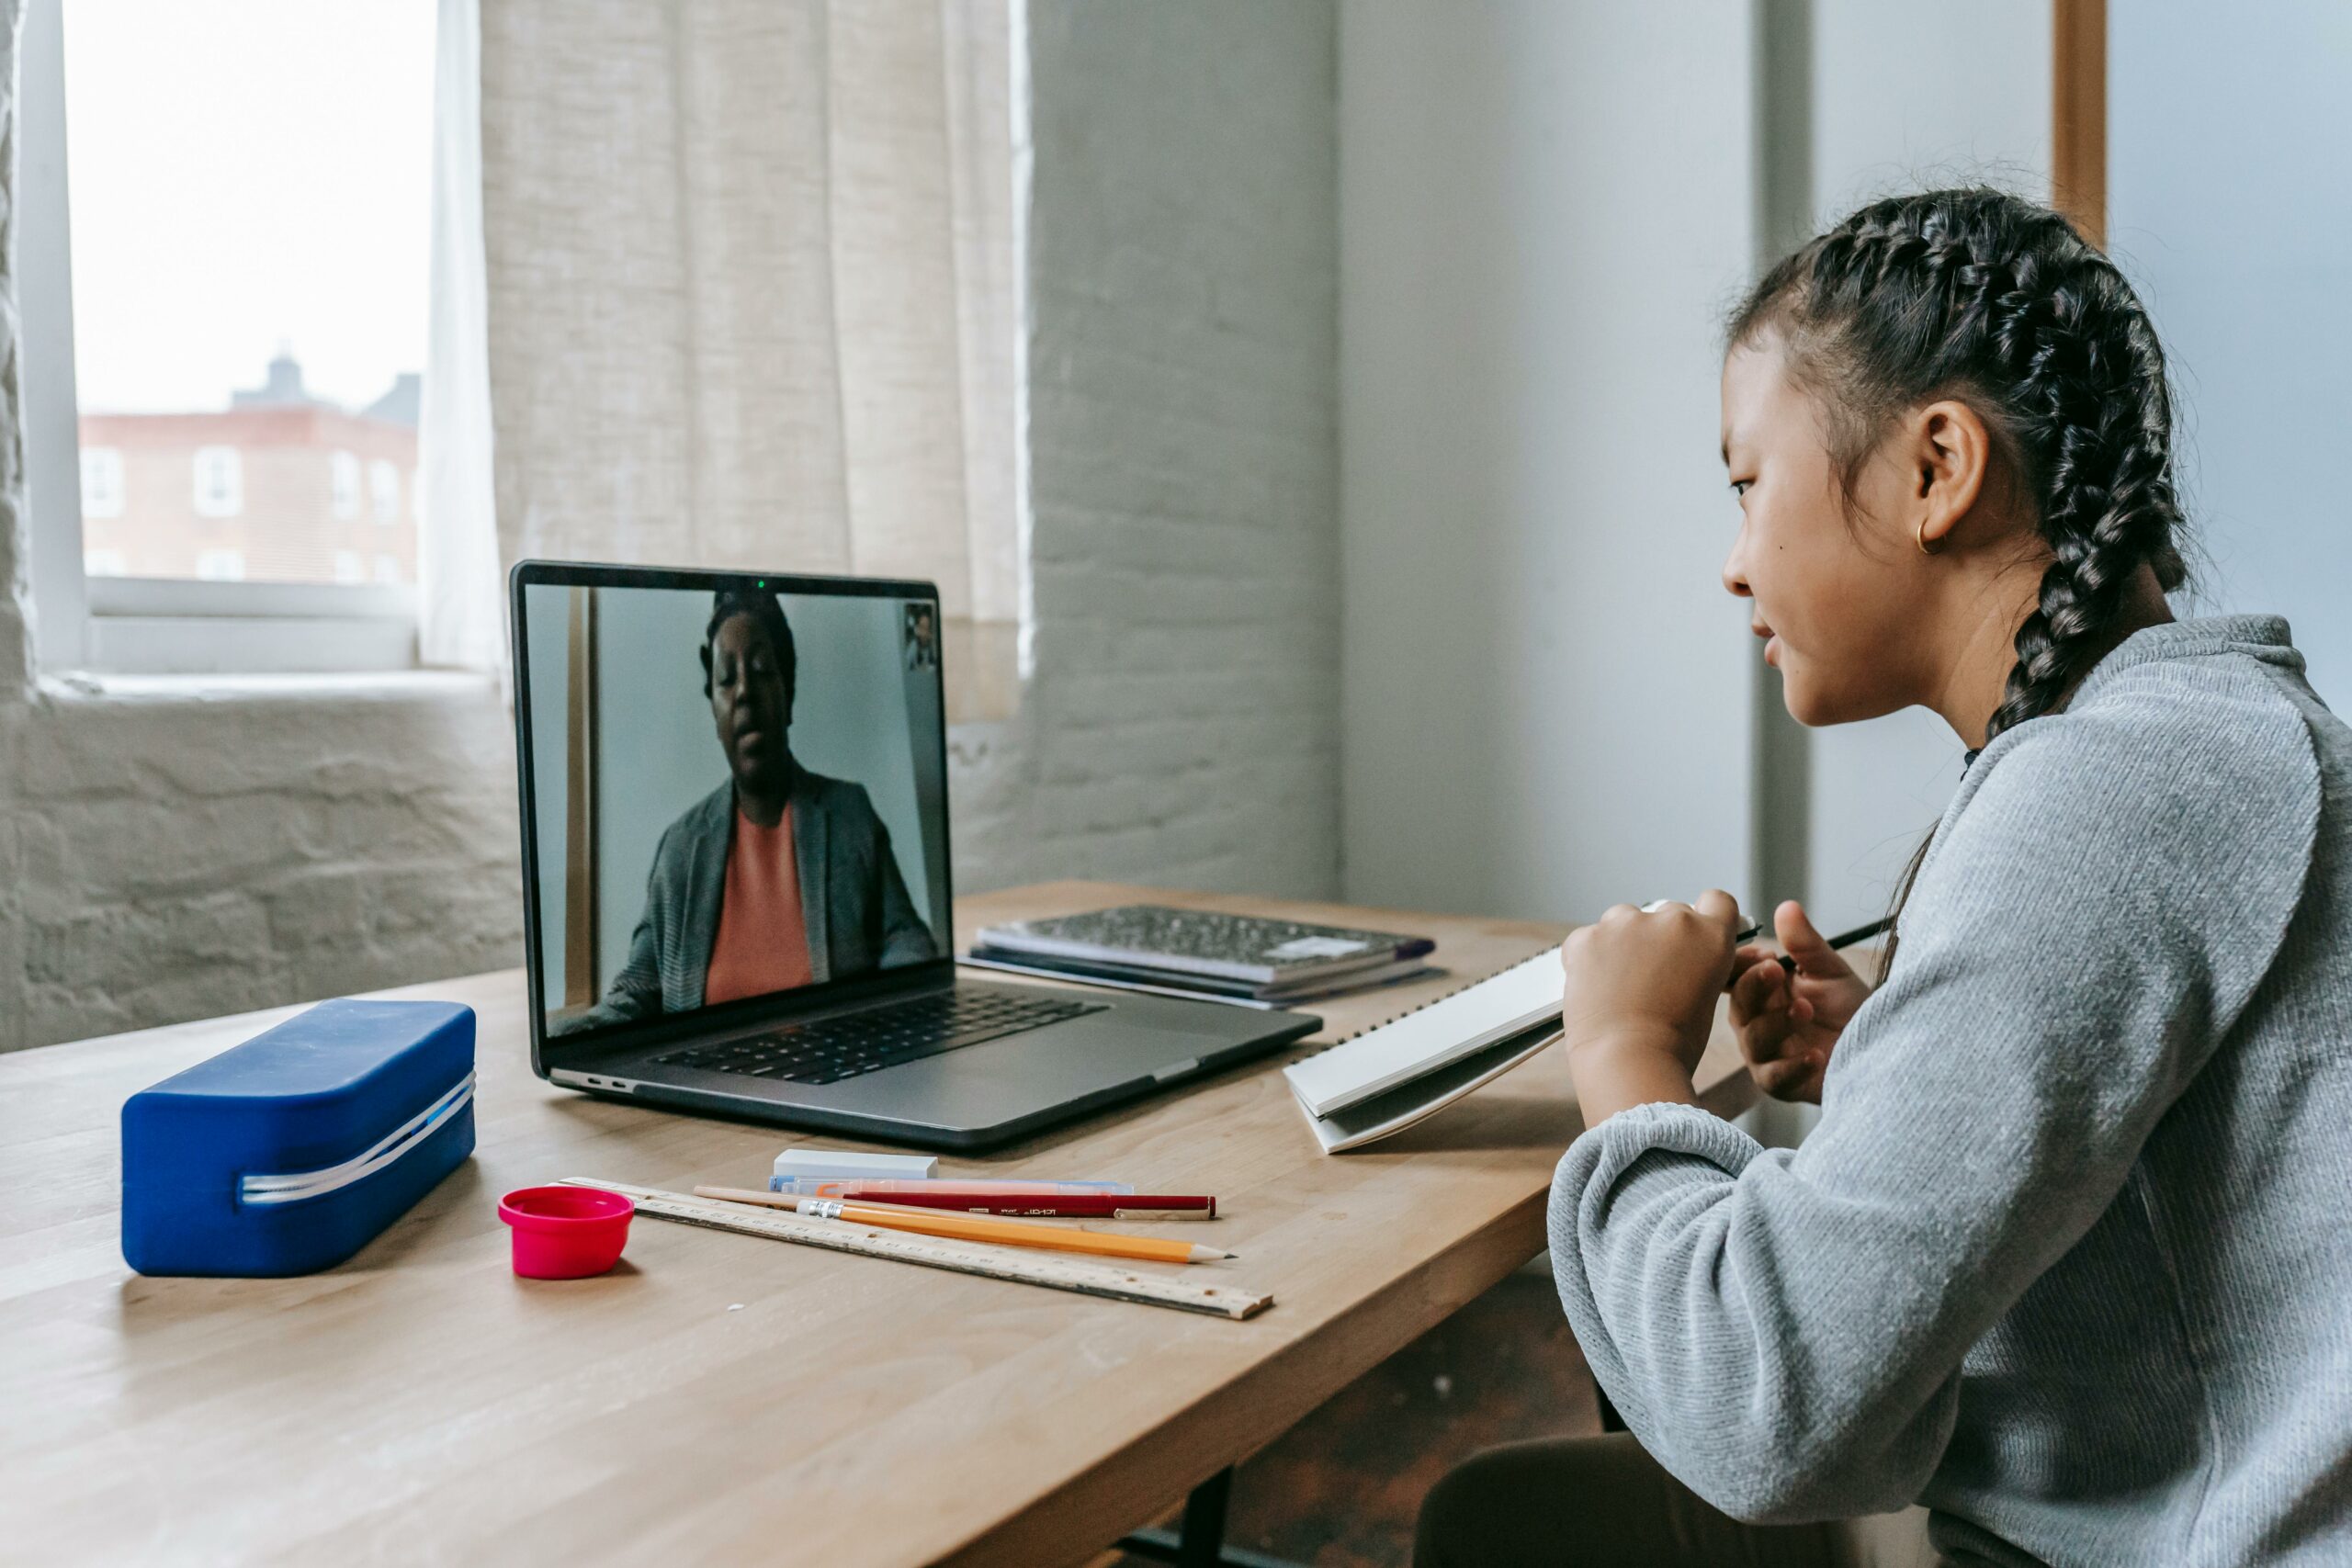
(979,1198)
(1046,1205)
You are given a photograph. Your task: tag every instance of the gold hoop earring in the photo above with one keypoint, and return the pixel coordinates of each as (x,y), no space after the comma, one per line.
(1923,539)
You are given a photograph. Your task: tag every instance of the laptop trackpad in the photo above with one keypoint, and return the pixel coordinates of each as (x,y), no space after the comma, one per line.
(982,1085)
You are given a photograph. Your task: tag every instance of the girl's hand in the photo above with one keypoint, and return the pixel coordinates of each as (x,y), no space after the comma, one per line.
(1640,989)
(1788,1023)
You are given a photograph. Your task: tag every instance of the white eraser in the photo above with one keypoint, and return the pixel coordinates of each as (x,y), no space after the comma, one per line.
(840,1163)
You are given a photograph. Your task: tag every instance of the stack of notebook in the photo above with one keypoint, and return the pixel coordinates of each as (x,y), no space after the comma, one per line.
(1200,953)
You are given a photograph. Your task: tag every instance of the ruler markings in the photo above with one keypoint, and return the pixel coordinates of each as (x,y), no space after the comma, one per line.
(1017,1265)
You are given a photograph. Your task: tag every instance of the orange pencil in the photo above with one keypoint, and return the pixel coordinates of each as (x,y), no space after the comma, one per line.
(1008,1233)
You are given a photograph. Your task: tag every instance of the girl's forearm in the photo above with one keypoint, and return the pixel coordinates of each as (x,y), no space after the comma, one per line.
(1616,1072)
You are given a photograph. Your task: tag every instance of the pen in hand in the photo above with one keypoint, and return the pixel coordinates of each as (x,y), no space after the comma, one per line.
(1749,934)
(1843,938)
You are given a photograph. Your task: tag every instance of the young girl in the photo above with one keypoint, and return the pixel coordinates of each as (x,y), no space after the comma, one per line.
(2067,1258)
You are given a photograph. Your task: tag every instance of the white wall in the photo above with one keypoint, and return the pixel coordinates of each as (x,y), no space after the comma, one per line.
(180,850)
(1909,98)
(1544,213)
(2230,204)
(1545,210)
(1182,727)
(1906,97)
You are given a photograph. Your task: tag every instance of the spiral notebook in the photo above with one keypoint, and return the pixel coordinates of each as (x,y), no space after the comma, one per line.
(1388,1078)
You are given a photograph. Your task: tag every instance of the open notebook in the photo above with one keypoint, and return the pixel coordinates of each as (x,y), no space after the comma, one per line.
(1387,1079)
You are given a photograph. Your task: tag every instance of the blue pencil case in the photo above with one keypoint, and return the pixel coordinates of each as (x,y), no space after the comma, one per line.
(288,1154)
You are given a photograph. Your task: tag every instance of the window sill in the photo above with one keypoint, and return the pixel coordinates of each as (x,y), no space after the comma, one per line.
(205,646)
(151,626)
(91,686)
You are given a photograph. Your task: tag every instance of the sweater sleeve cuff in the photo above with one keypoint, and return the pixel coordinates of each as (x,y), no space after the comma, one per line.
(1602,1160)
(1597,1159)
(1649,1167)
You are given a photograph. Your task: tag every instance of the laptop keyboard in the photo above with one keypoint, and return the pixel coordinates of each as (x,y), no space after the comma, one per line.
(831,1049)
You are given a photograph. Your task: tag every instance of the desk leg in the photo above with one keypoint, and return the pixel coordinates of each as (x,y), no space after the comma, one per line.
(1201,1542)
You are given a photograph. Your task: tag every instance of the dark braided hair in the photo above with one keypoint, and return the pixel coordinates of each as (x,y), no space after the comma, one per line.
(1983,297)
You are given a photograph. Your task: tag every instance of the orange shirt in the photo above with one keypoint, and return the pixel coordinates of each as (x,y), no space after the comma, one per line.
(762,942)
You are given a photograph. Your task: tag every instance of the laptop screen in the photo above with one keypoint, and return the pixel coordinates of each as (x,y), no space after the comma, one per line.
(735,787)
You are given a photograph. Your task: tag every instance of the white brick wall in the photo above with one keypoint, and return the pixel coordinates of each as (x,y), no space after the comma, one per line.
(169,858)
(1184,724)
(179,857)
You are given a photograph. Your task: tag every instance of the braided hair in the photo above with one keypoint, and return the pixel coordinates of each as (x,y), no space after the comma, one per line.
(1983,297)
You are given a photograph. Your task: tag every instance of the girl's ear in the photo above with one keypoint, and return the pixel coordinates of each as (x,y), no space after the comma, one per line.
(1951,455)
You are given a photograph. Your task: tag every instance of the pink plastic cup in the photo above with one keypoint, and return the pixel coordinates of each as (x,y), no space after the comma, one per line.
(566,1233)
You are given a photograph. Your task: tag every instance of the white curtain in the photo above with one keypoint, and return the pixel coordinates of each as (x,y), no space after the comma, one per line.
(458,613)
(750,294)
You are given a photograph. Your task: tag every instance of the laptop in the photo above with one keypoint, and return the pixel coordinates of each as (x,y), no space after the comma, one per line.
(736,873)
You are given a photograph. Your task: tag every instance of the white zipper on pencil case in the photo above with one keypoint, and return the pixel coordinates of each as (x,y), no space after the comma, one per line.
(388,1150)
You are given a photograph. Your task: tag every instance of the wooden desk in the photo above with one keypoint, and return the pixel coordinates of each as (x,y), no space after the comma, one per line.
(720,1398)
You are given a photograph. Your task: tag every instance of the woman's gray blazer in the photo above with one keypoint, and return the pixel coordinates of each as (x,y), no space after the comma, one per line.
(855,902)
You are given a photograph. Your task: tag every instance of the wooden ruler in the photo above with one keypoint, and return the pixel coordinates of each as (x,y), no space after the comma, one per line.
(1024,1264)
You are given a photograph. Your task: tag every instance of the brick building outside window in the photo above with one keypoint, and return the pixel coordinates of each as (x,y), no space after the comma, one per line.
(271,483)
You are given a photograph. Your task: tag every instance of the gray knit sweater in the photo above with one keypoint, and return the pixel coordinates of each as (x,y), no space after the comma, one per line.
(2069,1257)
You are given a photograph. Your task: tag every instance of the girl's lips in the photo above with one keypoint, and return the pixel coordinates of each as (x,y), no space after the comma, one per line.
(1772,650)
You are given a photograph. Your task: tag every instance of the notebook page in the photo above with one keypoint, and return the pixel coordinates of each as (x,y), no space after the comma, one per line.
(1447,1030)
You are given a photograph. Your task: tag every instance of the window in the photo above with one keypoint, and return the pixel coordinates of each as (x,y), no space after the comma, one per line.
(346,483)
(219,481)
(247,385)
(101,482)
(384,480)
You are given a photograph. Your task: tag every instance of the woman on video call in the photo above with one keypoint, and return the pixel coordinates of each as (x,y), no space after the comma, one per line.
(779,877)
